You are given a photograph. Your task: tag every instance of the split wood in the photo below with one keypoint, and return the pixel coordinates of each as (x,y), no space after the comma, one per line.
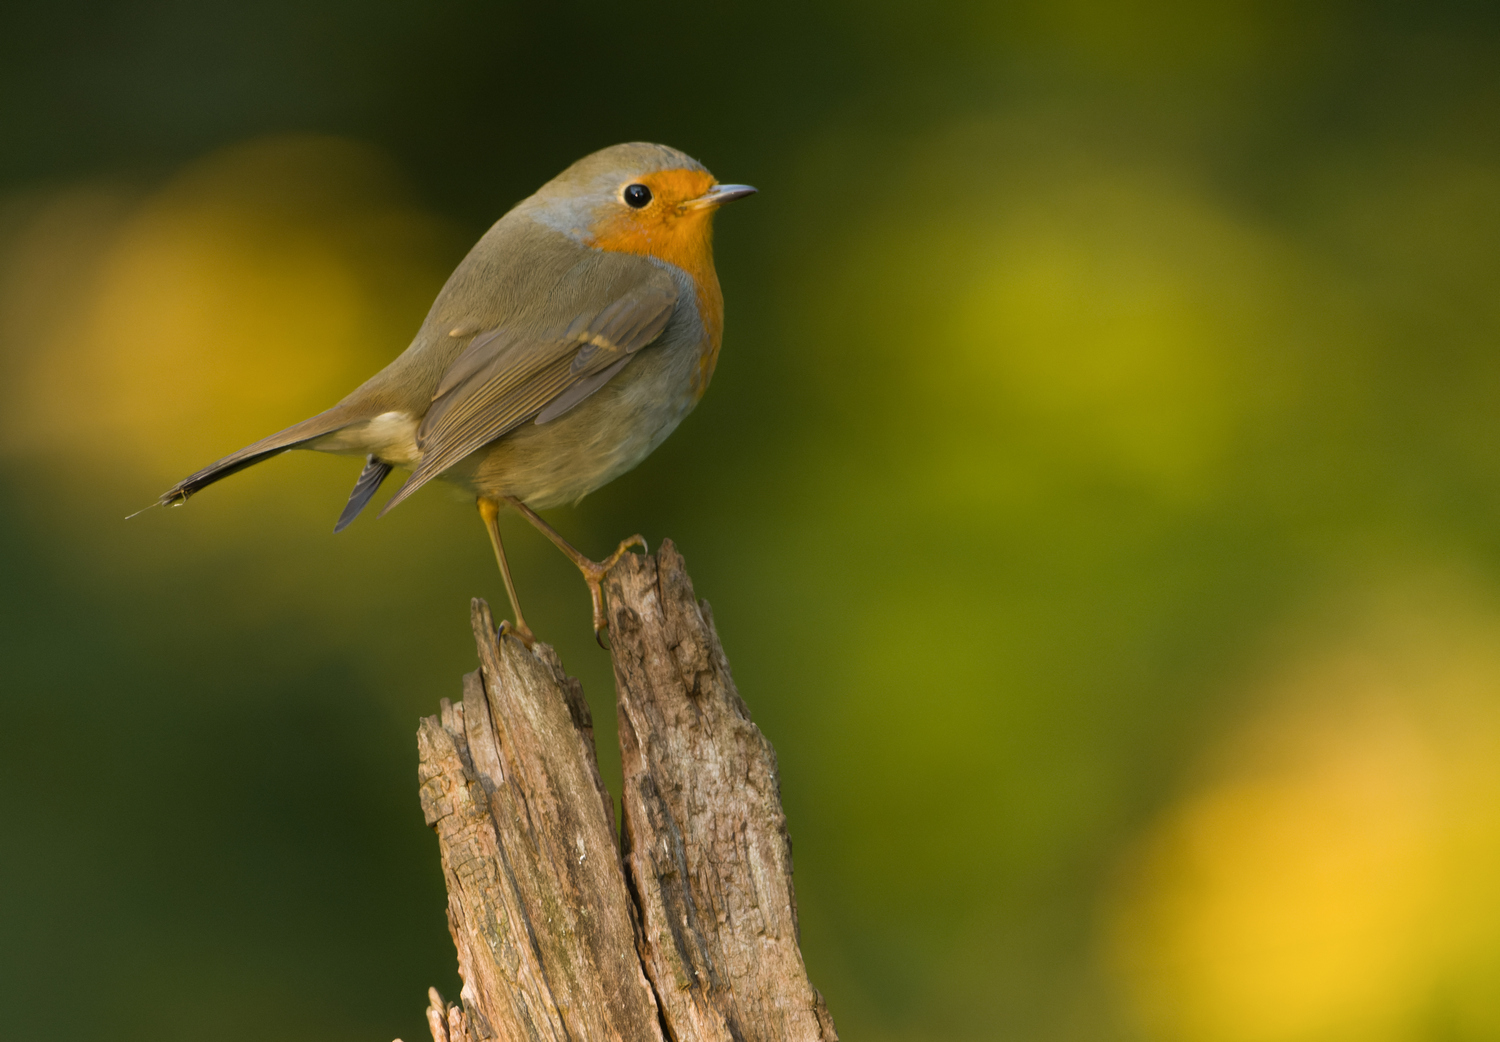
(683,931)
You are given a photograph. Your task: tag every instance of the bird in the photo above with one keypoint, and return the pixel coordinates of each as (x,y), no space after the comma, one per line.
(570,341)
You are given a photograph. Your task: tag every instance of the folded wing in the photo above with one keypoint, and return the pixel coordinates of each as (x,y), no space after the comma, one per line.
(508,376)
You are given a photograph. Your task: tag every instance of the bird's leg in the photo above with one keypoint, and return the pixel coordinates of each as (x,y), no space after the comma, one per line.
(593,571)
(489,509)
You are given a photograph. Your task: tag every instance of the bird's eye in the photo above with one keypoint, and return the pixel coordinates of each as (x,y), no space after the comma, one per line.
(637,196)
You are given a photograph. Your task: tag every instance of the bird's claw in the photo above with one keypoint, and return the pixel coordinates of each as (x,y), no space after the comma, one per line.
(594,573)
(522,633)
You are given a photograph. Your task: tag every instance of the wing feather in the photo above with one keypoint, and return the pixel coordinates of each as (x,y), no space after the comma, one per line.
(580,390)
(508,376)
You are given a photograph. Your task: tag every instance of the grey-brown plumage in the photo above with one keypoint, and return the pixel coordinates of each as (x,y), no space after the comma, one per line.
(369,482)
(573,338)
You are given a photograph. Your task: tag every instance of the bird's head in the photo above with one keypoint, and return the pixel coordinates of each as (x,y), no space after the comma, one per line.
(637,198)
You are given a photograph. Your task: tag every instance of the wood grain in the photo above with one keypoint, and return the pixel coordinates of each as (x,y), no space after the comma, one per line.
(537,903)
(705,839)
(691,935)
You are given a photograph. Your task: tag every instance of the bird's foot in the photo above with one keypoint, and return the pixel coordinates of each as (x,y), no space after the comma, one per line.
(594,573)
(520,631)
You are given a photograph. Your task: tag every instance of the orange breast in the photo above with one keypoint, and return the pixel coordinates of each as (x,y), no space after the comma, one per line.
(670,232)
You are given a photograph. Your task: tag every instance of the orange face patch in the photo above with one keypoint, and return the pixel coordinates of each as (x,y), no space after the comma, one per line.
(669,230)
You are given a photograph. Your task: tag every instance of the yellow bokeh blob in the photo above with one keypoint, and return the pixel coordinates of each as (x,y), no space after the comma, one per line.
(256,287)
(1339,876)
(1122,323)
(1110,333)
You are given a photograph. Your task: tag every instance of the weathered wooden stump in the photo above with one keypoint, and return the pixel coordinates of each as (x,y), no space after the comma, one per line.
(686,929)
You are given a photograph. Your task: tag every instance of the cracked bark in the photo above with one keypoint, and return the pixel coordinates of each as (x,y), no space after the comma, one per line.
(686,930)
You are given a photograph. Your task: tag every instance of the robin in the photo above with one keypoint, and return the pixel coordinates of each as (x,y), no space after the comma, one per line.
(572,339)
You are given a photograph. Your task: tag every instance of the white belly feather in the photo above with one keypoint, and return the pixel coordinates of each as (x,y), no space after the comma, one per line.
(391,436)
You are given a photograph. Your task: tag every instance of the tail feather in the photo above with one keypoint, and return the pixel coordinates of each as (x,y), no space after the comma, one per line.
(274,445)
(369,481)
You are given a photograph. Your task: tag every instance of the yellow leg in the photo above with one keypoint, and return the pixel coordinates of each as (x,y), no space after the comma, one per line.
(489,509)
(593,571)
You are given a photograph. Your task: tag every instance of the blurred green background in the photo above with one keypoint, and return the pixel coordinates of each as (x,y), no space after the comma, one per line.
(1097,495)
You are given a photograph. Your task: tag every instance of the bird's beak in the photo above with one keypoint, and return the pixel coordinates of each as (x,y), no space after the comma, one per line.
(718,195)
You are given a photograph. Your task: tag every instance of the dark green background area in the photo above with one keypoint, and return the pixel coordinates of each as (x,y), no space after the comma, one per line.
(990,618)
